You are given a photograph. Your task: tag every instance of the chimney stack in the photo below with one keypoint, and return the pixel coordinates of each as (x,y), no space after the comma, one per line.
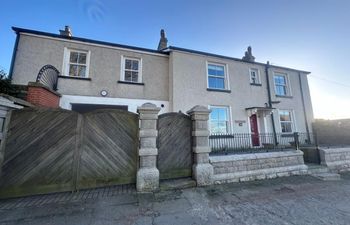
(66,32)
(163,42)
(248,56)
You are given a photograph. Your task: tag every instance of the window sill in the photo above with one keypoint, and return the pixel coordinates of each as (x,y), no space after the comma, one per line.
(75,78)
(219,90)
(255,84)
(284,96)
(127,82)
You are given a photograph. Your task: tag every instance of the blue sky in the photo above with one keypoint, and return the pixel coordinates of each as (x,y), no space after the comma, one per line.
(311,35)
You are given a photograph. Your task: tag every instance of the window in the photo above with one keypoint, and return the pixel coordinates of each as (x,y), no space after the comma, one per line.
(76,63)
(216,76)
(286,121)
(281,84)
(219,119)
(254,76)
(131,71)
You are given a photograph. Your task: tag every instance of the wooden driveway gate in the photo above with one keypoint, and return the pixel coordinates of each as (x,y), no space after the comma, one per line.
(53,150)
(174,146)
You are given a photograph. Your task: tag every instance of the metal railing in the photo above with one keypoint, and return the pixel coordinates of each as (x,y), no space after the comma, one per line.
(264,142)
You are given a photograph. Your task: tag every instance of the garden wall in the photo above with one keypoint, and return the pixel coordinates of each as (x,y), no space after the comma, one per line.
(336,159)
(258,166)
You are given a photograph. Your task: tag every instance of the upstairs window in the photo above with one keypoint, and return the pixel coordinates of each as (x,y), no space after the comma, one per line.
(281,84)
(219,119)
(286,121)
(217,77)
(76,63)
(131,70)
(254,76)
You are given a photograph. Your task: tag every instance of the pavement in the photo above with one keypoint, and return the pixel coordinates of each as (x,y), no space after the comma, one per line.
(289,200)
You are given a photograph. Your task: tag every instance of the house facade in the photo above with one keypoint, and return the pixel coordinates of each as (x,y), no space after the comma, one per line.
(245,96)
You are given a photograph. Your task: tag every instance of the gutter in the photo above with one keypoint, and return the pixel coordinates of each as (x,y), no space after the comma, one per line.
(14,53)
(267,65)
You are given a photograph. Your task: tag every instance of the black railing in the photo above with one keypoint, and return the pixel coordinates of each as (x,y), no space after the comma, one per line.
(264,142)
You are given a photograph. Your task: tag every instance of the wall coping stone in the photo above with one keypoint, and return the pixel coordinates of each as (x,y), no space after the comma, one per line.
(335,150)
(275,170)
(263,155)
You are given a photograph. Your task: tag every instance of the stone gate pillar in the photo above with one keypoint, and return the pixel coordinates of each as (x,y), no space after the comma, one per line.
(202,170)
(148,174)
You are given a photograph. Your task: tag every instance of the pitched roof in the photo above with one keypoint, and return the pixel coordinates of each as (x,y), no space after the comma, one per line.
(164,51)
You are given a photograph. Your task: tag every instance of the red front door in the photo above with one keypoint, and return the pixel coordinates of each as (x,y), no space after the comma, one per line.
(254,130)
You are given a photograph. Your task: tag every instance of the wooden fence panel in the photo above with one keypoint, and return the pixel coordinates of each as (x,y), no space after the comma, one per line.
(38,156)
(174,146)
(109,148)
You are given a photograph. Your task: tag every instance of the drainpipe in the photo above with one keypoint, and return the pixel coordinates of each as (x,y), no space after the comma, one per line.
(304,109)
(13,56)
(270,101)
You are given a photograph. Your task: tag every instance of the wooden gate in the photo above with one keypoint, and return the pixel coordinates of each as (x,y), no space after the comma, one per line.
(38,156)
(174,146)
(109,148)
(53,150)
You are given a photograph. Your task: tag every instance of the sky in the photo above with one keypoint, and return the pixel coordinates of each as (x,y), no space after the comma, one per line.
(311,35)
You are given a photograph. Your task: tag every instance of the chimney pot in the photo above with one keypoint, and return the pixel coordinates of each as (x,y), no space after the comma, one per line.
(66,32)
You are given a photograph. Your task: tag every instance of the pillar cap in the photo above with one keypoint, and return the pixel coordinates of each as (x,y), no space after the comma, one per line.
(199,109)
(148,107)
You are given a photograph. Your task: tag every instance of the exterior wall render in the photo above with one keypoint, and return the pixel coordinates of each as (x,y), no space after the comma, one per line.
(178,80)
(189,71)
(104,69)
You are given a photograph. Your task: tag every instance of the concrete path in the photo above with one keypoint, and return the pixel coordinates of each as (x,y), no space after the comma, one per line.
(291,200)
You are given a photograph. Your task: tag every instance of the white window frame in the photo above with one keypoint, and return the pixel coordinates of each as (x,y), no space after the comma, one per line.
(226,76)
(122,69)
(288,87)
(257,76)
(66,61)
(292,120)
(228,114)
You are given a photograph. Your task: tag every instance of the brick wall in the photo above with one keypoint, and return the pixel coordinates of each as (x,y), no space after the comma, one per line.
(40,95)
(246,167)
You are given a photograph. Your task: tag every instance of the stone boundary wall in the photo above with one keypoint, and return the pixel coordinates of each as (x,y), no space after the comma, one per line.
(258,166)
(336,159)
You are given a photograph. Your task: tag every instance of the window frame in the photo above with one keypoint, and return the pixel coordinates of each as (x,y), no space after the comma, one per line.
(257,76)
(292,120)
(66,62)
(122,69)
(226,77)
(228,117)
(287,85)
